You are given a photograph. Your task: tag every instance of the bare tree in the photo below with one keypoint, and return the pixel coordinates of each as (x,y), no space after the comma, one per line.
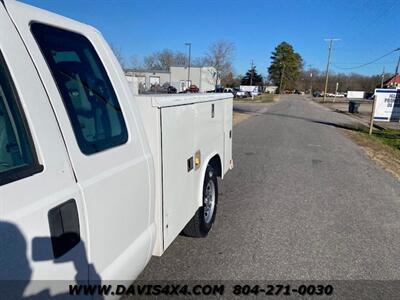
(136,63)
(220,56)
(199,62)
(351,81)
(150,62)
(118,54)
(180,60)
(163,60)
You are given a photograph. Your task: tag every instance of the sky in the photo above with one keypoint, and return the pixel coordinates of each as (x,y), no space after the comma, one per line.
(367,29)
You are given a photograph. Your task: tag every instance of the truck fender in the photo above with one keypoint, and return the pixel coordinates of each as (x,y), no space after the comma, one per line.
(215,159)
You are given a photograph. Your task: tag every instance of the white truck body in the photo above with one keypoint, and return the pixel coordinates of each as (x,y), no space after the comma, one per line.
(355,94)
(178,126)
(83,177)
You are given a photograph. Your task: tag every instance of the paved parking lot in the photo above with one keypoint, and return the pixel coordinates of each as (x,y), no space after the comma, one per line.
(303,202)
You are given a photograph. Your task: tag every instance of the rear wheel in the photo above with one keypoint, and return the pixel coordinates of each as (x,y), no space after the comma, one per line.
(202,221)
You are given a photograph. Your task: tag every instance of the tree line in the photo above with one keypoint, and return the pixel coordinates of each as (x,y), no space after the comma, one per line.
(286,70)
(219,55)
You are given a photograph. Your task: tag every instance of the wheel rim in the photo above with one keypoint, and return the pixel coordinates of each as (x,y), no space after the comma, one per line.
(209,201)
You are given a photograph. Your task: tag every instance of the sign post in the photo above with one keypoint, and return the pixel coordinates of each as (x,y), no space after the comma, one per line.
(371,123)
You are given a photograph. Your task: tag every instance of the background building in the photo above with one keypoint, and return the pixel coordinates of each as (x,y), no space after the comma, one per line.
(392,82)
(203,77)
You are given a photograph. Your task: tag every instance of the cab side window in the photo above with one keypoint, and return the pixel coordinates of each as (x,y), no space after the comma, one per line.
(17,155)
(85,88)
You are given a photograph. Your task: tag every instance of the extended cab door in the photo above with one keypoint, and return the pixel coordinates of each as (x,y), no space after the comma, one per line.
(91,99)
(37,185)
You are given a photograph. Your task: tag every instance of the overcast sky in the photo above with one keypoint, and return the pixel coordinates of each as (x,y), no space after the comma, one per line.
(368,29)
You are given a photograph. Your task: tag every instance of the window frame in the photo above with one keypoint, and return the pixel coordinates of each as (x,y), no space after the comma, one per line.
(35,167)
(83,147)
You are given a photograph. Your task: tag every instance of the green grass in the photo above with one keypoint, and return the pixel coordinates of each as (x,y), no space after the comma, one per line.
(261,98)
(389,137)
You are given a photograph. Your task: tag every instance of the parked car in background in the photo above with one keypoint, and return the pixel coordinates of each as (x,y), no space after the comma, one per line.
(238,93)
(171,90)
(192,89)
(317,94)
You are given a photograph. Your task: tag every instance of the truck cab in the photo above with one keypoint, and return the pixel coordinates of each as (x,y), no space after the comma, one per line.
(94,180)
(74,154)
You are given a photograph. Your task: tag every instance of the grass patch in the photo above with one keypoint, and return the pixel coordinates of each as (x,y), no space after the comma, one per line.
(389,137)
(383,147)
(263,98)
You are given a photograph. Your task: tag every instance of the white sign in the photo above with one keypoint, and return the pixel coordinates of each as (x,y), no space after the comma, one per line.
(387,105)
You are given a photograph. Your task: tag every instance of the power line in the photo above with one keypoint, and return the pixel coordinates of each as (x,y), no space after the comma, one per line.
(368,63)
(366,24)
(360,63)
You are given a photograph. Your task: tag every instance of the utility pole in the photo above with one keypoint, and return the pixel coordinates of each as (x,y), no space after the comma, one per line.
(383,76)
(328,64)
(336,90)
(190,50)
(282,75)
(311,75)
(251,73)
(397,68)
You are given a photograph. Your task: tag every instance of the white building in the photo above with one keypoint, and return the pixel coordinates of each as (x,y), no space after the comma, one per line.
(203,77)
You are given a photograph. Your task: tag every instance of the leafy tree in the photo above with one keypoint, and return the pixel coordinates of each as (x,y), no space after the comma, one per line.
(252,78)
(287,62)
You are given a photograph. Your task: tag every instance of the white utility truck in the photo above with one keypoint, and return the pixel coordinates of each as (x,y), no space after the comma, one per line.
(95,180)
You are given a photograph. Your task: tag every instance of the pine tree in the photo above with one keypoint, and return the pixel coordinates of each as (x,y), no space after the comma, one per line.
(252,78)
(286,62)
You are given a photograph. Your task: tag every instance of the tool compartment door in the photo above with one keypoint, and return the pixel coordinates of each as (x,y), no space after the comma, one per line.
(177,127)
(228,115)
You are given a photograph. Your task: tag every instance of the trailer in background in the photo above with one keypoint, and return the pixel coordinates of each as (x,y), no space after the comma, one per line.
(252,89)
(355,94)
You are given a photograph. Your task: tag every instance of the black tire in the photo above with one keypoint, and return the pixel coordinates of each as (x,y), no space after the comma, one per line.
(201,223)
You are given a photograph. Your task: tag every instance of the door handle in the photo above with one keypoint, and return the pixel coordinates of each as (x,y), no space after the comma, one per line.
(64,227)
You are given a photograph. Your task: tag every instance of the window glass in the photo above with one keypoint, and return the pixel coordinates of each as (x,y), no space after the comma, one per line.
(16,153)
(88,95)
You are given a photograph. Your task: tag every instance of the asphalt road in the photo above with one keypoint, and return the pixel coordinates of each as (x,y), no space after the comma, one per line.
(303,202)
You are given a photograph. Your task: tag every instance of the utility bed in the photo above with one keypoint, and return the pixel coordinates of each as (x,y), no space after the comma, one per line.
(184,133)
